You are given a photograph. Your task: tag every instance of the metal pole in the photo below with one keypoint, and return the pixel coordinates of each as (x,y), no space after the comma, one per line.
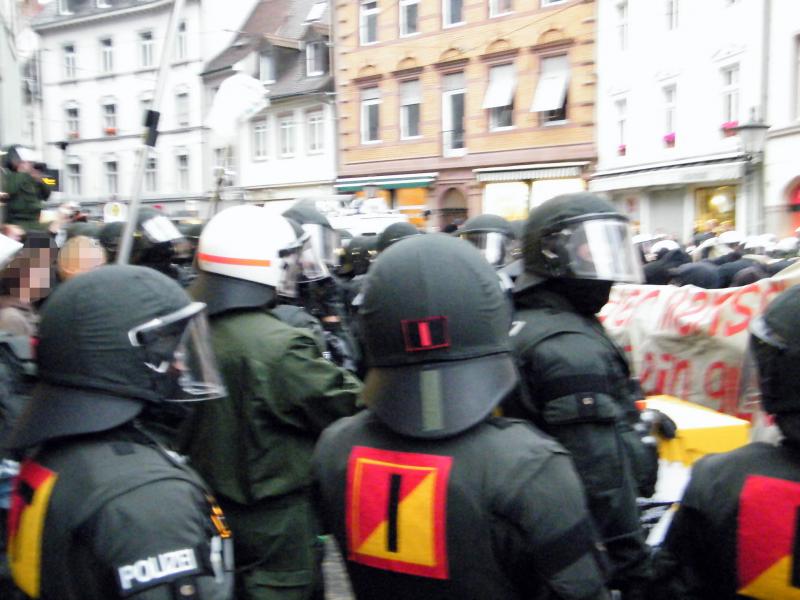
(126,241)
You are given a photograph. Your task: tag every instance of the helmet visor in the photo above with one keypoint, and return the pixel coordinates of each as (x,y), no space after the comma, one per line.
(325,242)
(494,245)
(301,263)
(160,229)
(176,346)
(595,249)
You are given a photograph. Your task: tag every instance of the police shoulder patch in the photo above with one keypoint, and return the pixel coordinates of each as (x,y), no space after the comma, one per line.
(156,569)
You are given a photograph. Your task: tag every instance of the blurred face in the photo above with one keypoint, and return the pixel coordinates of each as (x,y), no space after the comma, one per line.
(28,275)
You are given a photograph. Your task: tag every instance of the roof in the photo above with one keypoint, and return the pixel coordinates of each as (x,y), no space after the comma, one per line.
(80,9)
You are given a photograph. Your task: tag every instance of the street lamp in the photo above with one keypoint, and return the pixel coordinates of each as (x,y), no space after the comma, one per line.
(754,137)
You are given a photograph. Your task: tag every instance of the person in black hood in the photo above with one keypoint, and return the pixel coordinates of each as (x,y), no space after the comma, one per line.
(702,274)
(658,271)
(576,383)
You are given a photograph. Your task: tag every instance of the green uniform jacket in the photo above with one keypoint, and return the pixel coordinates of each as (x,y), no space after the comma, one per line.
(257,443)
(26,195)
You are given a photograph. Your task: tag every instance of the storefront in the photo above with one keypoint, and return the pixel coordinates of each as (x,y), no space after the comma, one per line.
(716,204)
(407,193)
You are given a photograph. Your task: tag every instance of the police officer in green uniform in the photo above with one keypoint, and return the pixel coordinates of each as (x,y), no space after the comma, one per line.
(26,192)
(577,384)
(100,509)
(429,495)
(254,448)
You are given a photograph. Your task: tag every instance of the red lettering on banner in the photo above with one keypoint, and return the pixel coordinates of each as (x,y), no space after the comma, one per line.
(721,383)
(666,374)
(697,305)
(626,307)
(668,318)
(741,309)
(716,312)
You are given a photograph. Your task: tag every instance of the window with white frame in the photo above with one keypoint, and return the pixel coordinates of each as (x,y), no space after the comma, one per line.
(182,108)
(72,120)
(260,143)
(452,12)
(672,14)
(111,176)
(266,66)
(499,97)
(182,166)
(670,106)
(410,102)
(110,117)
(103,4)
(730,94)
(369,22)
(552,90)
(409,17)
(151,174)
(69,61)
(621,108)
(315,58)
(797,78)
(315,133)
(74,176)
(453,106)
(146,49)
(64,7)
(181,42)
(107,55)
(286,136)
(370,115)
(500,7)
(622,24)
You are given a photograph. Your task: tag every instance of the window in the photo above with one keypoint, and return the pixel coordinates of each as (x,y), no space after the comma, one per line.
(797,78)
(730,94)
(151,174)
(107,55)
(110,118)
(370,115)
(286,125)
(63,7)
(670,102)
(453,12)
(69,61)
(146,49)
(499,7)
(316,12)
(182,109)
(315,58)
(621,107)
(181,48)
(552,91)
(73,121)
(622,24)
(409,109)
(499,97)
(369,21)
(182,164)
(266,67)
(453,104)
(112,177)
(672,14)
(103,4)
(74,176)
(316,131)
(260,147)
(409,16)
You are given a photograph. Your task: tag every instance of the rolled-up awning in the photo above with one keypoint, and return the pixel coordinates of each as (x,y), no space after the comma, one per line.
(385,182)
(523,172)
(500,91)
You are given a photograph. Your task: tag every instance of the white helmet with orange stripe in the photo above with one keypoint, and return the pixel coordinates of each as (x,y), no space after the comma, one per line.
(246,254)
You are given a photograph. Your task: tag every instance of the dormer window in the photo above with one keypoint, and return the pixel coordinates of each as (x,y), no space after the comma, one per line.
(316,12)
(315,58)
(266,67)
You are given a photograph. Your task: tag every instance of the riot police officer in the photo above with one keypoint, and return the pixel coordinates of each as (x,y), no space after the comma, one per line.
(735,533)
(394,233)
(428,495)
(101,510)
(577,384)
(492,235)
(254,448)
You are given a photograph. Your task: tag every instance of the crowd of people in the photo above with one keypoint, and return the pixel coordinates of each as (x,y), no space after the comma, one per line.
(446,406)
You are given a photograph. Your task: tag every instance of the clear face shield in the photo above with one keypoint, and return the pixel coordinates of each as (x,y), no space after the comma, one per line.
(598,249)
(160,230)
(177,347)
(301,263)
(495,246)
(325,242)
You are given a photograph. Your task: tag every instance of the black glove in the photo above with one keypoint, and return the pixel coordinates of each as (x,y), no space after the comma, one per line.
(659,423)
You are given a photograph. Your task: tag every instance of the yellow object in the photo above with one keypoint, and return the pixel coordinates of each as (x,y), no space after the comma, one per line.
(701,430)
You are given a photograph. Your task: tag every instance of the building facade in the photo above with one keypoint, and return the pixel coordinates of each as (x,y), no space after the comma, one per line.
(449,109)
(288,149)
(675,78)
(99,69)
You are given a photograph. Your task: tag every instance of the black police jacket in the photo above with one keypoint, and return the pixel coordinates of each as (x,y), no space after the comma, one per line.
(736,532)
(110,515)
(494,513)
(576,386)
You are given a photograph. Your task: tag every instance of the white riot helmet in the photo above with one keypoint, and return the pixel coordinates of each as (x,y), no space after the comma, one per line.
(246,255)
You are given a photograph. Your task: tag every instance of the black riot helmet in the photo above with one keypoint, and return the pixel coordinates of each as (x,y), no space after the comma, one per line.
(578,236)
(111,341)
(394,233)
(358,255)
(435,329)
(109,236)
(492,235)
(323,237)
(156,240)
(773,357)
